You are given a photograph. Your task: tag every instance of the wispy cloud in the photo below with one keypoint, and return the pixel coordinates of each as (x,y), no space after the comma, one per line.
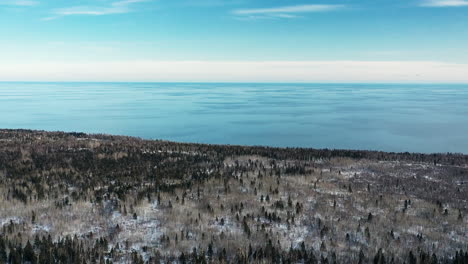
(444,3)
(210,3)
(19,3)
(285,11)
(118,7)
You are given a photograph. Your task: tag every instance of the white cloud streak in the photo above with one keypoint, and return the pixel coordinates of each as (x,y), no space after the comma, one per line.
(288,9)
(444,3)
(210,3)
(119,7)
(19,3)
(239,71)
(285,11)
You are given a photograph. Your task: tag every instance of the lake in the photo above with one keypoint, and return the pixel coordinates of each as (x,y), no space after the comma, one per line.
(389,117)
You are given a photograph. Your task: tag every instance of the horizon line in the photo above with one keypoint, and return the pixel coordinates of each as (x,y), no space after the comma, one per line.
(245,82)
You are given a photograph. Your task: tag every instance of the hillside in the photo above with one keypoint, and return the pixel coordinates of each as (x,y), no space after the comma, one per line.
(79,198)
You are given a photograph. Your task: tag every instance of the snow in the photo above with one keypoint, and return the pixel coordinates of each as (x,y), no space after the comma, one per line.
(229,227)
(295,234)
(41,228)
(8,220)
(458,237)
(415,230)
(430,178)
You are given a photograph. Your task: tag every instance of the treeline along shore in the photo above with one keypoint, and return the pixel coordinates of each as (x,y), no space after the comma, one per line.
(93,198)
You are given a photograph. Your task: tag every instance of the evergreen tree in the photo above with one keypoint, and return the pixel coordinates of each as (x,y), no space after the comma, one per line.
(209,252)
(362,257)
(411,258)
(28,254)
(3,252)
(379,257)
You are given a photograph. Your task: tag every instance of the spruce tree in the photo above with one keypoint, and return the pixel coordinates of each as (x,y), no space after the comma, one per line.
(28,254)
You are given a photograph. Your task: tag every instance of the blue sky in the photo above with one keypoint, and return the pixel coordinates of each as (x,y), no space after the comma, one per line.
(98,32)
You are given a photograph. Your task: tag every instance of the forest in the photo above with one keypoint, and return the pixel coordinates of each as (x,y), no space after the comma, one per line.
(94,198)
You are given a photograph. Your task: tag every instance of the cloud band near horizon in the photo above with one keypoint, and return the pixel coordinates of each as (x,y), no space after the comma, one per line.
(239,71)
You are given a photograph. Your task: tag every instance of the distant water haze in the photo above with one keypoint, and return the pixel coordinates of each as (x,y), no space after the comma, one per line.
(388,117)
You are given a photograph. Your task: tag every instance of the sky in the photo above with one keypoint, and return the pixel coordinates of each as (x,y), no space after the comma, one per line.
(234,40)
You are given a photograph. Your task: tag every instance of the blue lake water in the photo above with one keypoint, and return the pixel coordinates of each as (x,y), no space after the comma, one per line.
(389,117)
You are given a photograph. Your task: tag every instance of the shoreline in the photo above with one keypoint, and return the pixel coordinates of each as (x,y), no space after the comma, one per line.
(443,158)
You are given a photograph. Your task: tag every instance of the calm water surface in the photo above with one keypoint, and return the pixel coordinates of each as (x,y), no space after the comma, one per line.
(415,118)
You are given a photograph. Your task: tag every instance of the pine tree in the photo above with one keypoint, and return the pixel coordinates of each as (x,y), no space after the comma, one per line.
(33,217)
(28,253)
(246,227)
(209,252)
(362,257)
(412,258)
(379,257)
(369,217)
(3,253)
